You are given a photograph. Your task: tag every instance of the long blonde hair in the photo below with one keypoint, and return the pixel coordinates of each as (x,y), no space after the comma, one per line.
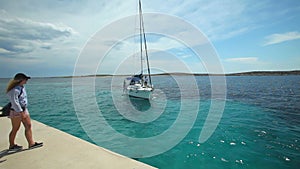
(11,84)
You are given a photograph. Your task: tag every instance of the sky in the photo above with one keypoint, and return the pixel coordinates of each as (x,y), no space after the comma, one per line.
(51,37)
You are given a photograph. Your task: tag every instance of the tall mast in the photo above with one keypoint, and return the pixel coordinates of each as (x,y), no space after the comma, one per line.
(143,35)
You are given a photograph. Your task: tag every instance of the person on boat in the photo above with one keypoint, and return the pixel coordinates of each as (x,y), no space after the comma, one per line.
(146,82)
(137,79)
(19,113)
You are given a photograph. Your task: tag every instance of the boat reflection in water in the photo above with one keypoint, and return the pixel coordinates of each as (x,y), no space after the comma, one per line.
(140,104)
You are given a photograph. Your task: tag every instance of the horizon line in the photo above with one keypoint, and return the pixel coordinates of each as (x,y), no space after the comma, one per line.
(247,73)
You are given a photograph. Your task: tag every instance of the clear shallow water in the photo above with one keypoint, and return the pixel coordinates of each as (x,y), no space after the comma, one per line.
(260,126)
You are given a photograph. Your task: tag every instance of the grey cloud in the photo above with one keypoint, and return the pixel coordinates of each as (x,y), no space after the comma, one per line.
(23,35)
(12,46)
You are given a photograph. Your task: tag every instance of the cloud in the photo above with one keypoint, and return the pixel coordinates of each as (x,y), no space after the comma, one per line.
(20,35)
(248,60)
(279,38)
(219,20)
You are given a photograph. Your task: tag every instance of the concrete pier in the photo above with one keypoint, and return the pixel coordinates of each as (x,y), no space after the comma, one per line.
(60,150)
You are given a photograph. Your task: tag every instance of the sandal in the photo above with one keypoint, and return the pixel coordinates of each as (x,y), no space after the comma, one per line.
(15,148)
(36,145)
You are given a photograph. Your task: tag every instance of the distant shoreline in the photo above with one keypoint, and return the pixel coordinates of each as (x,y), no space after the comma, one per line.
(266,73)
(250,73)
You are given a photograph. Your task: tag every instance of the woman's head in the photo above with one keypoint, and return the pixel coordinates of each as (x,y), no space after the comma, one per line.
(19,79)
(22,78)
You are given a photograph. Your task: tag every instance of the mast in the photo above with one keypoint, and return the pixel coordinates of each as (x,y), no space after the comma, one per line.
(143,36)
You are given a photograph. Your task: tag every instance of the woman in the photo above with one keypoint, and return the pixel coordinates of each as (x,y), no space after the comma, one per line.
(19,113)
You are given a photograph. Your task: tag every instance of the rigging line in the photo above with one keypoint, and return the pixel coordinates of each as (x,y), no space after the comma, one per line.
(136,40)
(145,44)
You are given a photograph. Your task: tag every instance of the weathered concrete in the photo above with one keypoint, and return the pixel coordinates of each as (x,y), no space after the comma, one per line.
(60,150)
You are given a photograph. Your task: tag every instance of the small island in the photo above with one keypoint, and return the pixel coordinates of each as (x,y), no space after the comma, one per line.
(251,73)
(266,73)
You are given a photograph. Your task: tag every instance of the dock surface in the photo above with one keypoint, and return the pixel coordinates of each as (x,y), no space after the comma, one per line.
(60,150)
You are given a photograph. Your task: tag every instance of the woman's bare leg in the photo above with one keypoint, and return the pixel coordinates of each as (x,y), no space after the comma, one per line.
(28,131)
(15,122)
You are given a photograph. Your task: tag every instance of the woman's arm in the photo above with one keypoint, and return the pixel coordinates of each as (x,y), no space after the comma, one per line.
(13,96)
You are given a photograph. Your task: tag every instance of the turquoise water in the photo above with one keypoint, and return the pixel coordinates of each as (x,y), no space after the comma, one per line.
(260,126)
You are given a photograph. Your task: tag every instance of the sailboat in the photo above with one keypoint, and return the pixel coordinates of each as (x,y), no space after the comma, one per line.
(140,85)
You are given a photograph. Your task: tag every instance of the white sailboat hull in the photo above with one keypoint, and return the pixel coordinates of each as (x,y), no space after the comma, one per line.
(139,92)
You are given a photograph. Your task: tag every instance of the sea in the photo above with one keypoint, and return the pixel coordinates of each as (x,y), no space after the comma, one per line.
(258,125)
